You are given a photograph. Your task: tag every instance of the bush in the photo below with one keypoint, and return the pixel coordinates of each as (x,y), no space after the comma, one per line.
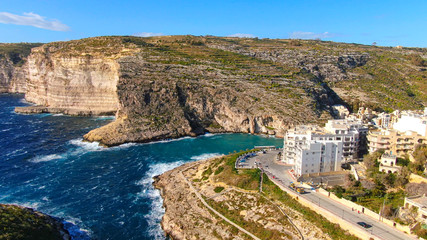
(417,60)
(218,189)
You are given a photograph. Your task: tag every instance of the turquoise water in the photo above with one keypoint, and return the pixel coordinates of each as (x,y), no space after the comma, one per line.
(100,193)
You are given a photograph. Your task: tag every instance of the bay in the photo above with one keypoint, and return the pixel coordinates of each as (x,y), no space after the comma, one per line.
(100,193)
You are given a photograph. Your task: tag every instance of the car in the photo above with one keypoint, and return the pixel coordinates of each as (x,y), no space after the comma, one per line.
(363,224)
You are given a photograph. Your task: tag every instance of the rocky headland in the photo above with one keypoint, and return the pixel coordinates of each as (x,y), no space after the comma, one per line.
(271,214)
(173,86)
(18,222)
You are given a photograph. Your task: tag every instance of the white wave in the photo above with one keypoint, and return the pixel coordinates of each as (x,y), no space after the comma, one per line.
(170,140)
(148,191)
(58,114)
(100,118)
(75,227)
(208,134)
(42,115)
(205,156)
(33,205)
(86,146)
(124,146)
(26,102)
(45,158)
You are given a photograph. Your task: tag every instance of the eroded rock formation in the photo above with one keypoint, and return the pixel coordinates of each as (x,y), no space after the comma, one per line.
(172,86)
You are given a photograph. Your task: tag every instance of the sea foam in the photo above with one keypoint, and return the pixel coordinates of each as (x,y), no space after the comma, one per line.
(45,158)
(205,156)
(155,215)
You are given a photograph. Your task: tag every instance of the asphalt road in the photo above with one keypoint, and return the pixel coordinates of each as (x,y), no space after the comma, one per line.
(280,172)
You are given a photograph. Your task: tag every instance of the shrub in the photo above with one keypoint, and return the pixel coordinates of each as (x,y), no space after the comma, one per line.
(218,189)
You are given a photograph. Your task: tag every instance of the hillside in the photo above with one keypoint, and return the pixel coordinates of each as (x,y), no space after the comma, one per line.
(24,223)
(172,86)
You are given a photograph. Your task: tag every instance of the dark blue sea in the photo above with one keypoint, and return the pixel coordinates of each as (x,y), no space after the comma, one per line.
(100,193)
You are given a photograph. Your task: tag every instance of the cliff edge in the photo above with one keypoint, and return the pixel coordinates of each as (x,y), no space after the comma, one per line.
(173,86)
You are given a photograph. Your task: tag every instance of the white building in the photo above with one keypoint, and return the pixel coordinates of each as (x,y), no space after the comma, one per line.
(412,122)
(384,120)
(420,203)
(388,163)
(340,111)
(353,135)
(315,157)
(312,149)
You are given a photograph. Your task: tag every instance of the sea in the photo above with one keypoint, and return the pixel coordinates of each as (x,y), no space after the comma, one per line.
(98,193)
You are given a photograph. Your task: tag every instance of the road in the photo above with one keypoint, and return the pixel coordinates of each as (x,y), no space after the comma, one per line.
(281,176)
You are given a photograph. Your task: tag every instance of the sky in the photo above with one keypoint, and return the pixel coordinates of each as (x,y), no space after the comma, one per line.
(387,23)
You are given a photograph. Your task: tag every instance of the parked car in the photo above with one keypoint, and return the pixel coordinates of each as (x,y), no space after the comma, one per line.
(363,224)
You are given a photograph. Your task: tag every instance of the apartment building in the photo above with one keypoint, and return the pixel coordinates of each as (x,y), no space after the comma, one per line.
(312,149)
(315,157)
(407,131)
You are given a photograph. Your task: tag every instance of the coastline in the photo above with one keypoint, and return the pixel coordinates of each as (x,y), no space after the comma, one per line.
(187,189)
(27,220)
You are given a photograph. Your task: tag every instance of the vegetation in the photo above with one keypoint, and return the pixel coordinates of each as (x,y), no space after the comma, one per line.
(383,191)
(275,193)
(249,180)
(25,224)
(16,52)
(421,230)
(386,80)
(218,189)
(420,156)
(417,60)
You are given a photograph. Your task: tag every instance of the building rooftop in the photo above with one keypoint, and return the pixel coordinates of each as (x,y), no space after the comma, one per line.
(419,200)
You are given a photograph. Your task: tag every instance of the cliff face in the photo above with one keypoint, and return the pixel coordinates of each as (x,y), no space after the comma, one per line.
(160,101)
(13,68)
(172,86)
(82,83)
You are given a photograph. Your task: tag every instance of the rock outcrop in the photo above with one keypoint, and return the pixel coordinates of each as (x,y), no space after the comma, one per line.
(173,86)
(24,223)
(81,83)
(13,68)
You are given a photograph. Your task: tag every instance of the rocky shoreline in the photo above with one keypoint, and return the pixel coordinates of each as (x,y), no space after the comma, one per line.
(67,111)
(187,218)
(26,223)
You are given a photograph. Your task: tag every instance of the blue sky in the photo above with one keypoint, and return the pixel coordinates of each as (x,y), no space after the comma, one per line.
(388,23)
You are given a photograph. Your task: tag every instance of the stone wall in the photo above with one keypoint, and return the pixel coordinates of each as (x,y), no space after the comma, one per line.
(364,210)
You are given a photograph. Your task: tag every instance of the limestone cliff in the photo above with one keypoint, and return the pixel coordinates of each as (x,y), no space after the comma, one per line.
(84,82)
(13,69)
(172,86)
